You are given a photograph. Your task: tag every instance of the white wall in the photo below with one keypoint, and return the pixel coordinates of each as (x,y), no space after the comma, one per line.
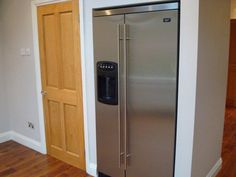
(4,121)
(19,71)
(213,47)
(233,8)
(187,86)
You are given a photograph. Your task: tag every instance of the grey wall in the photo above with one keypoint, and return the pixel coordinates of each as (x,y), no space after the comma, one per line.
(19,70)
(4,120)
(211,84)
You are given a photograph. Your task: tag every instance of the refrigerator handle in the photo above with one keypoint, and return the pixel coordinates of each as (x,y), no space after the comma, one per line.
(125,93)
(121,154)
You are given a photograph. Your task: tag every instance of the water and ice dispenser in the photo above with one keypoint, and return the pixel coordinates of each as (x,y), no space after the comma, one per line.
(107,82)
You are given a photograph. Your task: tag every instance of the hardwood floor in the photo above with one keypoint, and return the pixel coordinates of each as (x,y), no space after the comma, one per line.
(229,145)
(19,161)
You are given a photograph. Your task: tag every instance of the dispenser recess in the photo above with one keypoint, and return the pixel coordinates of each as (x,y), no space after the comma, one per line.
(107,82)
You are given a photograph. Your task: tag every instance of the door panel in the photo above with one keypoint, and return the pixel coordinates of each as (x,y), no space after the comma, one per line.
(55,123)
(71,128)
(67,56)
(106,48)
(50,43)
(61,79)
(151,90)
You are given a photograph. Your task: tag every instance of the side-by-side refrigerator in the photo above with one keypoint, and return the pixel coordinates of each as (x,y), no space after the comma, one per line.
(136,79)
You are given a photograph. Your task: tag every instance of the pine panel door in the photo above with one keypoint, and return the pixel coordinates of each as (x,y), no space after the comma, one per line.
(59,38)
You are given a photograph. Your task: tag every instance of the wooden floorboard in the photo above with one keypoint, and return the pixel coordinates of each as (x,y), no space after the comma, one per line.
(229,145)
(19,161)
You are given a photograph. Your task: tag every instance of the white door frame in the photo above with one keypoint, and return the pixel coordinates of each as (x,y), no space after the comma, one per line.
(34,5)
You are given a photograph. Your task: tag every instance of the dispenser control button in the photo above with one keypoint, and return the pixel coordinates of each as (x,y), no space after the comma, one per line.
(106,66)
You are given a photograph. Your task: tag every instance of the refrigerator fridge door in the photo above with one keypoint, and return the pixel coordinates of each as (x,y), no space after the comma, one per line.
(151,89)
(108,56)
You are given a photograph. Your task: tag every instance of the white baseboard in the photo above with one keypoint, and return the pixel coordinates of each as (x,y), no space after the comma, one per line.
(21,139)
(92,169)
(6,136)
(28,142)
(215,169)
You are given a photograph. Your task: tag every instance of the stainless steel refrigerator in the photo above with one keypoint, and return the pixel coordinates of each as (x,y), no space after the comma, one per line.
(136,78)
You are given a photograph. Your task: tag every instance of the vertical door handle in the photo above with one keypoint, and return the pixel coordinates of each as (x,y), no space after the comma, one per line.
(125,94)
(121,154)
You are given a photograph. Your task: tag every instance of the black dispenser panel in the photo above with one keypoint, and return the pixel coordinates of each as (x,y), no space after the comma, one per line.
(107,82)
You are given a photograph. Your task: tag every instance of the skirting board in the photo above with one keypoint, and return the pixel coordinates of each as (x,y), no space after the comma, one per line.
(6,136)
(21,139)
(92,169)
(215,169)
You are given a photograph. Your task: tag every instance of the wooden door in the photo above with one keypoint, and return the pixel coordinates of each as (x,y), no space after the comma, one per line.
(231,93)
(59,38)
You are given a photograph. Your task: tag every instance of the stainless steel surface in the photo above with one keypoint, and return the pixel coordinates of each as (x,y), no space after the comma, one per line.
(136,9)
(107,119)
(136,137)
(151,88)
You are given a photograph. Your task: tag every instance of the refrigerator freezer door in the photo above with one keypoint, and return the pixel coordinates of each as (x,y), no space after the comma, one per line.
(107,52)
(151,89)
